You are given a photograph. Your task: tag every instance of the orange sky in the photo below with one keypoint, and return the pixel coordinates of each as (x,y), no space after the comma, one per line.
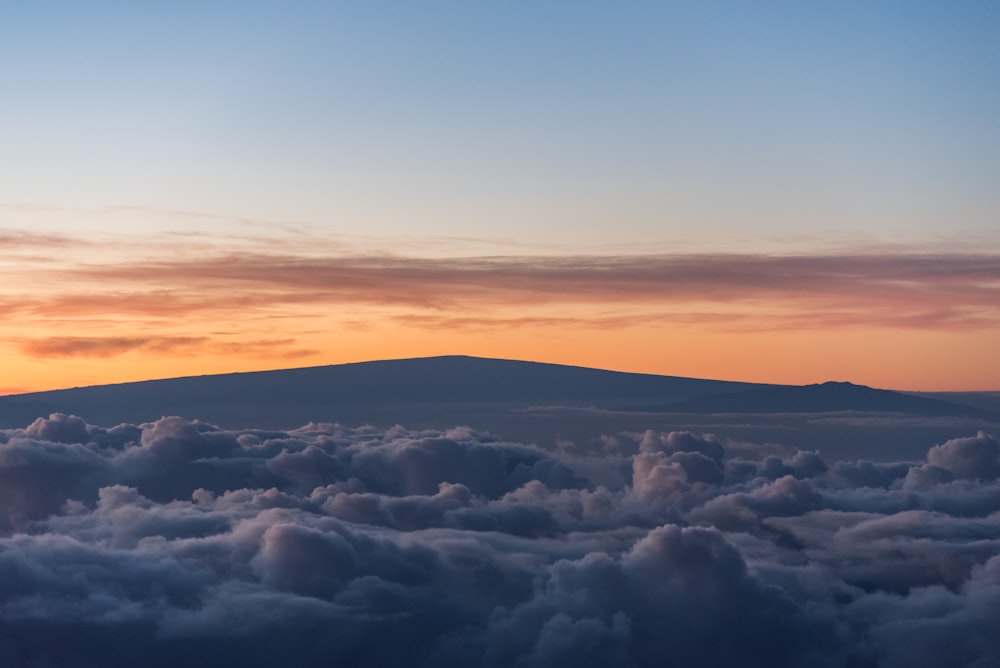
(80,312)
(765,194)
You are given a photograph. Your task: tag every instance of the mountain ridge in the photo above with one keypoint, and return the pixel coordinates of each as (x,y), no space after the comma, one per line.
(360,391)
(830,396)
(327,392)
(373,363)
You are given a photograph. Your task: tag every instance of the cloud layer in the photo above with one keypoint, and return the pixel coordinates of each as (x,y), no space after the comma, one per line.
(948,285)
(179,543)
(151,280)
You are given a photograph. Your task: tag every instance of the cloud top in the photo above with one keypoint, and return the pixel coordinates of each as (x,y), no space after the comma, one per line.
(177,542)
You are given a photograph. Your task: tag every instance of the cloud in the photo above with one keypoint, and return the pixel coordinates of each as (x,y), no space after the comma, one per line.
(111,346)
(938,279)
(733,292)
(177,542)
(976,458)
(16,239)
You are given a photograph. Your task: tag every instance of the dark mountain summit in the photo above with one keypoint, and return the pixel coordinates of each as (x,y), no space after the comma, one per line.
(819,398)
(356,392)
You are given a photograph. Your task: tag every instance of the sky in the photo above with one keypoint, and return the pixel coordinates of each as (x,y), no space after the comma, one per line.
(773,191)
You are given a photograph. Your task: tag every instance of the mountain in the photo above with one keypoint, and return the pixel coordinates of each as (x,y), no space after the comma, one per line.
(551,405)
(820,398)
(359,392)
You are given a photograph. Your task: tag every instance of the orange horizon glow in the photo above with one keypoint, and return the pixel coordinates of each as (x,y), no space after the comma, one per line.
(879,359)
(766,194)
(77,314)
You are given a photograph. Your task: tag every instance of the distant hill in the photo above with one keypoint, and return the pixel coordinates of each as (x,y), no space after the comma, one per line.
(359,392)
(820,398)
(549,404)
(987,401)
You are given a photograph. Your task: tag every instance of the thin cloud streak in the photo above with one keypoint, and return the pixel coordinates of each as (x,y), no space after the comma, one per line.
(111,346)
(721,322)
(13,239)
(152,285)
(907,290)
(722,277)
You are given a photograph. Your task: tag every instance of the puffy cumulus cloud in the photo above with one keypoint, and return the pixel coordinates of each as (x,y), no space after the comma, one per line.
(975,458)
(785,496)
(176,542)
(679,595)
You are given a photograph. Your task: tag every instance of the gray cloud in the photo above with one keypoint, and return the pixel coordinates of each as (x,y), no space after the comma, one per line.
(976,458)
(176,542)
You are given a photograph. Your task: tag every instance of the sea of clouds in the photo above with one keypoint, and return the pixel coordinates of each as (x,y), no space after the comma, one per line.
(180,543)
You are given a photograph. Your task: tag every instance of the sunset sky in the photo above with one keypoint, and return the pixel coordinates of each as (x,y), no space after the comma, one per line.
(771,191)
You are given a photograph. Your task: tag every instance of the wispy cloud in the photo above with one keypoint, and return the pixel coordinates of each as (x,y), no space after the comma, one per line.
(111,346)
(167,278)
(721,321)
(14,239)
(912,290)
(724,277)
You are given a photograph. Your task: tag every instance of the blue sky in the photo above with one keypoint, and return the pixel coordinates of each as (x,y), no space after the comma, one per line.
(695,123)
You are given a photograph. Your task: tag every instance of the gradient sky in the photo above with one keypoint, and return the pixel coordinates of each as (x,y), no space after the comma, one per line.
(769,191)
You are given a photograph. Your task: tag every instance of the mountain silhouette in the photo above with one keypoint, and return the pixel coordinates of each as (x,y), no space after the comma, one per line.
(548,404)
(357,392)
(819,398)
